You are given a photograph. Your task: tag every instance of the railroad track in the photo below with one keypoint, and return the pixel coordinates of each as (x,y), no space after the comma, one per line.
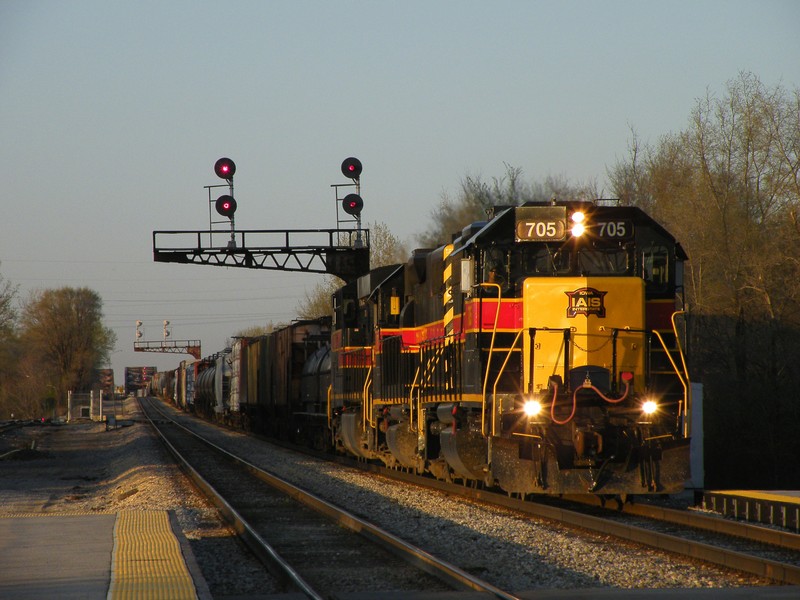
(768,553)
(309,544)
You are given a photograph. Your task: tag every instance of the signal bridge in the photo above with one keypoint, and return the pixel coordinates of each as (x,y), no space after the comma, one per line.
(170,346)
(344,253)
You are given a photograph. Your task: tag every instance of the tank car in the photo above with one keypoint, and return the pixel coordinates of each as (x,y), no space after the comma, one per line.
(540,352)
(212,387)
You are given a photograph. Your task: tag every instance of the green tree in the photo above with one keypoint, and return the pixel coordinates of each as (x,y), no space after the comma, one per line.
(64,339)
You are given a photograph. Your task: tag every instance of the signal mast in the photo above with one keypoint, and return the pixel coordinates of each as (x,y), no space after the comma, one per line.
(342,252)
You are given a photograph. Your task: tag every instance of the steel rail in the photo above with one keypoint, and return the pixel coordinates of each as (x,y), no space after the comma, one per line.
(441,569)
(747,531)
(732,559)
(281,569)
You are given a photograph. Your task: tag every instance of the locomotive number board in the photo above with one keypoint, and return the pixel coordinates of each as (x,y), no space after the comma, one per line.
(550,224)
(614,229)
(540,223)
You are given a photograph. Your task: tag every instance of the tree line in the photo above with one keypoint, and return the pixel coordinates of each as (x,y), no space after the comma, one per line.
(728,187)
(53,343)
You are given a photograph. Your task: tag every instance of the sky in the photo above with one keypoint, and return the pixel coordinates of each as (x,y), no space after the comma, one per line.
(113,113)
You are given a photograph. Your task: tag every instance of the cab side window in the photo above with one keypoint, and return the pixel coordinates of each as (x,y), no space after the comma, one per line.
(655,266)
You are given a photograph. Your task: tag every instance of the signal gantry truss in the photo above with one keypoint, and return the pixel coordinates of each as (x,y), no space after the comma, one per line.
(170,346)
(344,253)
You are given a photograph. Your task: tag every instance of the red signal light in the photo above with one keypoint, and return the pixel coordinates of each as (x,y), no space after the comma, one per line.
(351,167)
(225,168)
(352,204)
(226,206)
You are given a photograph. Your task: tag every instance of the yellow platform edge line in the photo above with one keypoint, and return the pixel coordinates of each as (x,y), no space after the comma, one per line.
(80,513)
(754,495)
(147,562)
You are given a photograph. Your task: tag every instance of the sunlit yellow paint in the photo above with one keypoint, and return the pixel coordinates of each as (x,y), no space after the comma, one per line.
(147,561)
(547,304)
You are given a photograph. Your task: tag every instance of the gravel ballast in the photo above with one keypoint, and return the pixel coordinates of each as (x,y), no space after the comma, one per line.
(82,467)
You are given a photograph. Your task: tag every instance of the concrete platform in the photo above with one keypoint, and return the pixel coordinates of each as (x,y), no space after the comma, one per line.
(132,554)
(780,508)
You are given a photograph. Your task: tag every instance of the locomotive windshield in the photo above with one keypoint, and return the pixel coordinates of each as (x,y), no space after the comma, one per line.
(549,260)
(603,261)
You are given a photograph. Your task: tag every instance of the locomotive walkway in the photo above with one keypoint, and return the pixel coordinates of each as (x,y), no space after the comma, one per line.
(130,554)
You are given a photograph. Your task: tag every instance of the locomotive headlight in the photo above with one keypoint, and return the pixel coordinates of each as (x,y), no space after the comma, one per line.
(531,408)
(578,228)
(649,407)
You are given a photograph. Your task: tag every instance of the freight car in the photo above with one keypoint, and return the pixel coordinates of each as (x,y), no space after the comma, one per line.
(540,352)
(283,378)
(276,384)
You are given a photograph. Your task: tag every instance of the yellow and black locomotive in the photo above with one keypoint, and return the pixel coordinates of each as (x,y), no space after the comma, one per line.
(540,351)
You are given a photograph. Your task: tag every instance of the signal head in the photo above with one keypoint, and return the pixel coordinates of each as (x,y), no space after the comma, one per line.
(226,206)
(351,167)
(352,204)
(225,168)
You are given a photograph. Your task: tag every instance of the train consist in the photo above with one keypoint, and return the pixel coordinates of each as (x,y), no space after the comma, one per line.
(539,352)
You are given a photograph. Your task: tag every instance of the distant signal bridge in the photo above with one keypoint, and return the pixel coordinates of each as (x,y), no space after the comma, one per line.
(170,346)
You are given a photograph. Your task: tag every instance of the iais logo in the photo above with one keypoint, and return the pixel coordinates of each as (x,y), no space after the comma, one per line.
(586,301)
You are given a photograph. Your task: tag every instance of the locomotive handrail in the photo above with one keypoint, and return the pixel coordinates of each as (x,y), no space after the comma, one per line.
(678,342)
(426,375)
(423,375)
(497,381)
(366,397)
(491,351)
(329,410)
(687,425)
(565,332)
(683,376)
(411,407)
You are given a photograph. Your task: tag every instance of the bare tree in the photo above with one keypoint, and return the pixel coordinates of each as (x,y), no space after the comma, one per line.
(476,197)
(8,315)
(727,187)
(385,249)
(318,302)
(9,351)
